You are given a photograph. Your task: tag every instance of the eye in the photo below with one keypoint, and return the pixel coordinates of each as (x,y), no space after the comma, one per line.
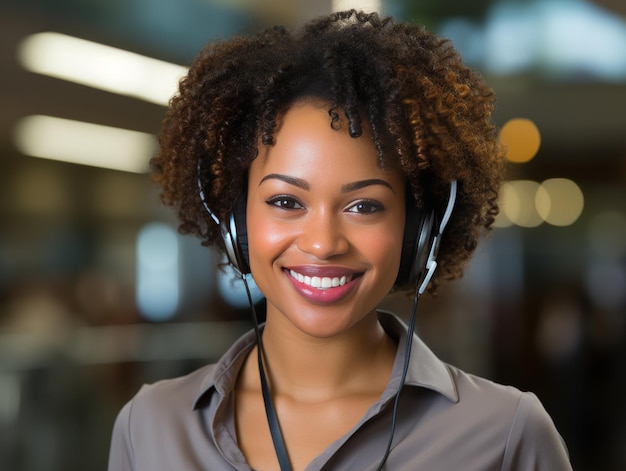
(285,202)
(366,207)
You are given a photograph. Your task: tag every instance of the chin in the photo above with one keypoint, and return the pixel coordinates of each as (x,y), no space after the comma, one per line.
(326,323)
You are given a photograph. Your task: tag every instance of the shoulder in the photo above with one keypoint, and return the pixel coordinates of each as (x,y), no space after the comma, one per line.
(490,401)
(174,395)
(483,408)
(472,388)
(169,425)
(533,440)
(154,416)
(174,400)
(164,402)
(516,419)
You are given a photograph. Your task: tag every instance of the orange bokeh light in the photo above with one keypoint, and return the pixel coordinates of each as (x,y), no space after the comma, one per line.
(521,138)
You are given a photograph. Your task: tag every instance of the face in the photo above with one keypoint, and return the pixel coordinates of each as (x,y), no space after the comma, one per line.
(325,224)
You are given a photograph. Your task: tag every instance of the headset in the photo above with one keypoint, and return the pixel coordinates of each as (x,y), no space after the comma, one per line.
(420,243)
(420,246)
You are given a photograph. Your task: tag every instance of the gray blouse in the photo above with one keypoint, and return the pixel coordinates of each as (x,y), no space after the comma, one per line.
(447,420)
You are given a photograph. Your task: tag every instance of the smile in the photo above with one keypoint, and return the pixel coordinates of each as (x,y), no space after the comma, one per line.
(318,289)
(321,282)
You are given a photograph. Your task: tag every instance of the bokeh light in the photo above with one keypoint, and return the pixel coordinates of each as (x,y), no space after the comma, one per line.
(519,207)
(157,272)
(521,138)
(559,201)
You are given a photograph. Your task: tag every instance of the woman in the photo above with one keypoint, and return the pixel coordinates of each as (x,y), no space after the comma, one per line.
(327,163)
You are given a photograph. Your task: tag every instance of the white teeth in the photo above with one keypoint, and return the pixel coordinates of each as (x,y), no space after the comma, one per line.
(320,282)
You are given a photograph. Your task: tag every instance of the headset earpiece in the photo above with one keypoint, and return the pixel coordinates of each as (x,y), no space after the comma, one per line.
(417,234)
(235,238)
(240,242)
(422,237)
(233,231)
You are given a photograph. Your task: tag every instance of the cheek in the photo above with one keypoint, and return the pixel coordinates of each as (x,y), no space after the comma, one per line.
(384,248)
(266,239)
(390,249)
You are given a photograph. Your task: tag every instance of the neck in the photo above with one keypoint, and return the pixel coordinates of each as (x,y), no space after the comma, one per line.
(312,368)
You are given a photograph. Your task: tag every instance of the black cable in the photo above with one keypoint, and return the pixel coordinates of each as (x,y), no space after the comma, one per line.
(405,369)
(272,418)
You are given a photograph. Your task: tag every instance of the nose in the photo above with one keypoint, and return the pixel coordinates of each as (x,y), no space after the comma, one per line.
(323,236)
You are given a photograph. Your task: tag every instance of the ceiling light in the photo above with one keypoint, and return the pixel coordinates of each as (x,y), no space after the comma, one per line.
(99,66)
(84,143)
(367,6)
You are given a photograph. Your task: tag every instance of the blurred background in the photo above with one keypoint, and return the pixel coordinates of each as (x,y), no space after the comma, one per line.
(99,293)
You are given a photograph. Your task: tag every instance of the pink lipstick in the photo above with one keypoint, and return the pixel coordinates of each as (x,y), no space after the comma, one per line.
(323,285)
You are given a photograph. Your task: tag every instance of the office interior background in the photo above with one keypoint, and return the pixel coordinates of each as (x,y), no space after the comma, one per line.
(100,294)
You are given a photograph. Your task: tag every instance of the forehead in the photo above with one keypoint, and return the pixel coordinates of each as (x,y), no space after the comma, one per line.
(306,146)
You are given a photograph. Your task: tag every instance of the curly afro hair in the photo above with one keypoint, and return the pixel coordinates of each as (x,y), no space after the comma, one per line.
(428,114)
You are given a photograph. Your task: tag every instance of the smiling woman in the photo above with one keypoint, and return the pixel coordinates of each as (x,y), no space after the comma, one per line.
(321,207)
(327,164)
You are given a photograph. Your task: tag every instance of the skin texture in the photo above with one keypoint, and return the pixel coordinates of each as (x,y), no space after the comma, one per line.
(319,203)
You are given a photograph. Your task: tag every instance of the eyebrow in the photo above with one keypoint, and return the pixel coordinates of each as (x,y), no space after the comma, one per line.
(347,188)
(299,182)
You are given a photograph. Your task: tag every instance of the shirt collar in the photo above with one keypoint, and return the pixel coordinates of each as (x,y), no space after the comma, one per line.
(425,369)
(222,376)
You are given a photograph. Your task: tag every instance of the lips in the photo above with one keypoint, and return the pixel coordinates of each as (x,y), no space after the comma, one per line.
(323,285)
(321,282)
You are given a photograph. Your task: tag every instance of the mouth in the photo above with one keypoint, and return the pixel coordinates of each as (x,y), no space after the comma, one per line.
(323,282)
